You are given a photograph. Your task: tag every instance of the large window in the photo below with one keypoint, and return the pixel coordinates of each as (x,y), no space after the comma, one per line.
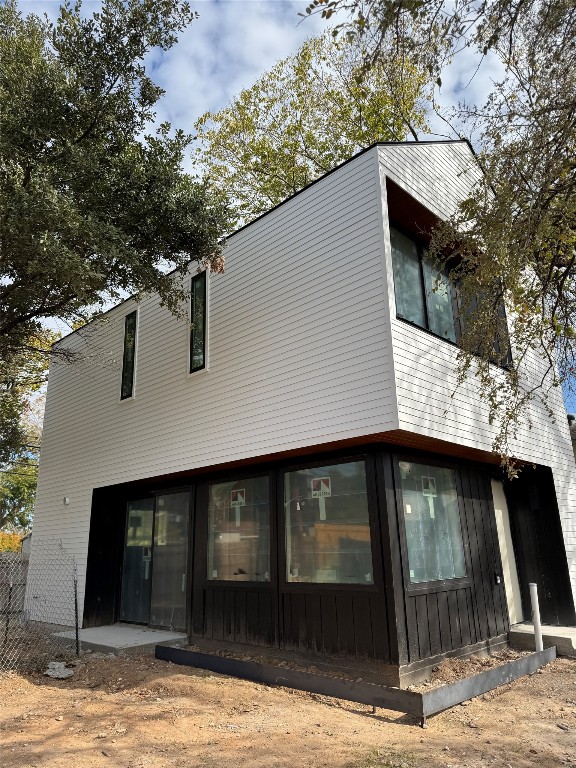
(424,294)
(198,323)
(327,525)
(239,530)
(432,522)
(129,356)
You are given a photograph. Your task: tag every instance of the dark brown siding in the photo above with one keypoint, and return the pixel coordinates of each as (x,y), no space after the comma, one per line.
(539,545)
(236,615)
(105,551)
(338,622)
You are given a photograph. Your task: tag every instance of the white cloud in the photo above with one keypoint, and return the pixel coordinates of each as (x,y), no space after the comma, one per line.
(231,45)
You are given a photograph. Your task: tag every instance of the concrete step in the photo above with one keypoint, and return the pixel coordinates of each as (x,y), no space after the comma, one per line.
(125,638)
(521,636)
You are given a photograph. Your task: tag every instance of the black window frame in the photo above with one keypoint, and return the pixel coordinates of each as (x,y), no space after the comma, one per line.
(499,359)
(421,250)
(311,587)
(129,360)
(201,277)
(433,585)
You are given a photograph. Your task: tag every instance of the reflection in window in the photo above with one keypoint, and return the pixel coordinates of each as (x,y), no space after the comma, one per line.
(198,323)
(168,600)
(432,521)
(239,531)
(439,301)
(327,526)
(407,279)
(128,357)
(423,292)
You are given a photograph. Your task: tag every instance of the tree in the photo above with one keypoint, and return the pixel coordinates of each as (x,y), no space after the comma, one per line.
(306,115)
(92,205)
(514,239)
(19,474)
(22,376)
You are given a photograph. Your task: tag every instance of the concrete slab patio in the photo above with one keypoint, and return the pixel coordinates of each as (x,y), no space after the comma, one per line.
(125,638)
(564,638)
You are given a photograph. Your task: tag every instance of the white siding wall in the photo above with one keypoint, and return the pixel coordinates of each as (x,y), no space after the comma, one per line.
(429,402)
(299,354)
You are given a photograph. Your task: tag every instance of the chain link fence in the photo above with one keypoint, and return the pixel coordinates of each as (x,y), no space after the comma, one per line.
(38,606)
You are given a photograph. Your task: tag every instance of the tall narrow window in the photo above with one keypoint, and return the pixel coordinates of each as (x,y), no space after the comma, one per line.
(129,357)
(198,323)
(407,279)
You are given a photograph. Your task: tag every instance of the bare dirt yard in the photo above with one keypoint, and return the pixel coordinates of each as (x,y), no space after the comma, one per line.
(134,711)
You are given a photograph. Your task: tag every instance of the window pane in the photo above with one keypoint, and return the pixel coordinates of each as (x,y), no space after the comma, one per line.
(198,322)
(432,520)
(407,279)
(168,600)
(137,565)
(327,528)
(239,531)
(128,357)
(439,302)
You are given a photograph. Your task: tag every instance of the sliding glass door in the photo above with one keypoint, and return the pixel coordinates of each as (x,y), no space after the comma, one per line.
(137,570)
(155,568)
(170,574)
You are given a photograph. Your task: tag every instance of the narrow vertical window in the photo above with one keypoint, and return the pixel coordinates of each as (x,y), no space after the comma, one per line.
(129,356)
(198,323)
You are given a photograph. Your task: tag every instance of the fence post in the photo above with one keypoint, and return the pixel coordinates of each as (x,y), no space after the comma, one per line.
(8,610)
(76,619)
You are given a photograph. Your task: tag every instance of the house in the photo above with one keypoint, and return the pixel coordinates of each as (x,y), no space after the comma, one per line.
(296,467)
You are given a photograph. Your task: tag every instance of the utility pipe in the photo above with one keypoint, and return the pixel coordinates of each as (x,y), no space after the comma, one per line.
(536,617)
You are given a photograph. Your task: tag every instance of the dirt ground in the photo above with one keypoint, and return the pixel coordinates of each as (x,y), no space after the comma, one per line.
(134,711)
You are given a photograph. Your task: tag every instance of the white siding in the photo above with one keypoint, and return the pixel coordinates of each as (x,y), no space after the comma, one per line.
(299,353)
(429,401)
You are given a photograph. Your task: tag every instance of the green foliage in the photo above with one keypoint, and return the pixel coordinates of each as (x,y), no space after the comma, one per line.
(306,115)
(21,410)
(17,493)
(22,374)
(91,204)
(514,240)
(18,475)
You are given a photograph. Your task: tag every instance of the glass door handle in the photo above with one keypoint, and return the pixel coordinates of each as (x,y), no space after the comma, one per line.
(184,582)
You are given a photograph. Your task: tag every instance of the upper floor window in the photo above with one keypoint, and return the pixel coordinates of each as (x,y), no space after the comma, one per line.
(198,323)
(129,356)
(424,293)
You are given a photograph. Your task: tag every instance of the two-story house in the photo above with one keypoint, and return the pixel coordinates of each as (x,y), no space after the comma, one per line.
(294,466)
